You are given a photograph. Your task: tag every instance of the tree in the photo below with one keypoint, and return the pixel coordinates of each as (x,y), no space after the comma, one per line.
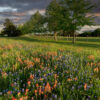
(69,15)
(53,17)
(38,21)
(10,29)
(35,24)
(77,10)
(96,33)
(86,34)
(7,22)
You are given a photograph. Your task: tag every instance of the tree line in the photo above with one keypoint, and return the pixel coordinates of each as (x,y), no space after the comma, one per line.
(95,33)
(61,17)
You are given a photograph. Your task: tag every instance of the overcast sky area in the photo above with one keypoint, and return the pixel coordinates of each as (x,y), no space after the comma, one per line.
(21,10)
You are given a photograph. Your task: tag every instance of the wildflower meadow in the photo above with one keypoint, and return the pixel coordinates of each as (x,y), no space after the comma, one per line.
(27,73)
(49,50)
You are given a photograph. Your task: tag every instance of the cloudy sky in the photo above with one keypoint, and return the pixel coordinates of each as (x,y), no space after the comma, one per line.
(21,10)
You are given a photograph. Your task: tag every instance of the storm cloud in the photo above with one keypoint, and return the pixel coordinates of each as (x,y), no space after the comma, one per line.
(21,10)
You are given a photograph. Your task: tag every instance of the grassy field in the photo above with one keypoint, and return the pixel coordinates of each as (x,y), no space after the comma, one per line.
(42,44)
(40,68)
(81,42)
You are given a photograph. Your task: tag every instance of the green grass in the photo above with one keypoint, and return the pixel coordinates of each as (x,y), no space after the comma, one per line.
(42,43)
(71,71)
(90,45)
(84,42)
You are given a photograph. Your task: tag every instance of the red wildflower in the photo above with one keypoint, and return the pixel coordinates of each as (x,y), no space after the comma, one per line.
(85,86)
(48,88)
(13,98)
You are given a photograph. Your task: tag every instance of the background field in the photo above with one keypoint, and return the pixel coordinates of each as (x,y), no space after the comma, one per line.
(47,43)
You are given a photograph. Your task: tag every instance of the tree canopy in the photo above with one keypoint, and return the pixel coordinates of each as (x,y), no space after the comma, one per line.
(68,15)
(34,24)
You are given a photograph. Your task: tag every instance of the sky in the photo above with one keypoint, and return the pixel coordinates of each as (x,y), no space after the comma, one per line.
(21,10)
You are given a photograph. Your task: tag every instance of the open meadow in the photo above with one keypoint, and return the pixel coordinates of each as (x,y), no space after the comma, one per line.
(40,68)
(49,49)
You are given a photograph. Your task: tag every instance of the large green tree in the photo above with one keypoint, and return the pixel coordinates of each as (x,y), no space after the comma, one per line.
(69,15)
(38,22)
(53,17)
(34,24)
(77,11)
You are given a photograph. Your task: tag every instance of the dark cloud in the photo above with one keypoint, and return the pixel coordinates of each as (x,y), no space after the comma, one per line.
(97,6)
(21,10)
(23,5)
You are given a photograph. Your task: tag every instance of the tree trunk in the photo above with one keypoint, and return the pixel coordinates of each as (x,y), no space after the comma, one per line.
(64,33)
(55,36)
(73,41)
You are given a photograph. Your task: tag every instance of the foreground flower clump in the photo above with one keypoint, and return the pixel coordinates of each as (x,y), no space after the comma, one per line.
(53,75)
